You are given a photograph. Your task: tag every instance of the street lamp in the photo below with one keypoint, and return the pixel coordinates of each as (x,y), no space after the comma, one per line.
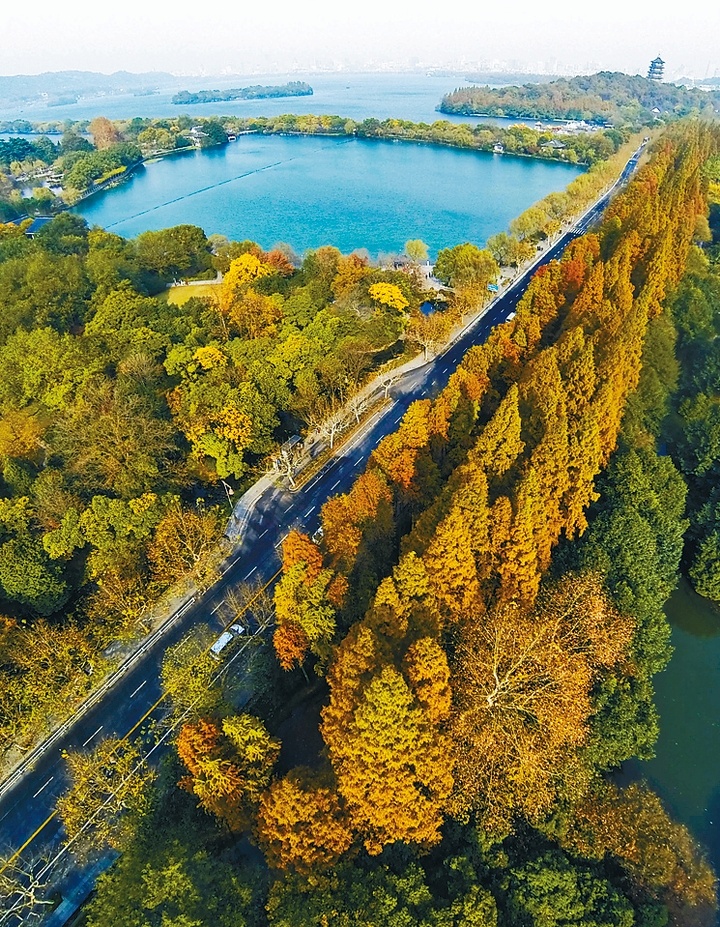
(228,492)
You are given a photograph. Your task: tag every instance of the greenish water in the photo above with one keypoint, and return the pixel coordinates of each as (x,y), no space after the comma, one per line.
(351,193)
(686,769)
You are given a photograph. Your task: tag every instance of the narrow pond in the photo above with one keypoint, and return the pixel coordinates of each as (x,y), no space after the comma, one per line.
(686,769)
(351,193)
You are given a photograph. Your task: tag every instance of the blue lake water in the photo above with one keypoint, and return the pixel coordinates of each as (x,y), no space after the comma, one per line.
(412,96)
(352,193)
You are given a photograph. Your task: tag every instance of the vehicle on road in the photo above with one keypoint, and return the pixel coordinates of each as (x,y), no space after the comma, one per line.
(225,639)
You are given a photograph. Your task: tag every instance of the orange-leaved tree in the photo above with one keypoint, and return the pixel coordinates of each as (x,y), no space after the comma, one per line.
(303,612)
(301,825)
(230,765)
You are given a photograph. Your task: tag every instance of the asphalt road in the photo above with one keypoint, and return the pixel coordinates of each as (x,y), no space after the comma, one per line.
(29,802)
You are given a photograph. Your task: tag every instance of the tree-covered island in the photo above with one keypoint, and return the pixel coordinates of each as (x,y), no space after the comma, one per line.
(293,88)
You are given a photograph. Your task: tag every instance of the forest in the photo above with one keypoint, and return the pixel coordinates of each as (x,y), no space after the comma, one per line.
(482,621)
(692,431)
(120,411)
(605,97)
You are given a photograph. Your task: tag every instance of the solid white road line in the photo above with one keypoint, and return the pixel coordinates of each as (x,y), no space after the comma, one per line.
(92,735)
(133,694)
(43,786)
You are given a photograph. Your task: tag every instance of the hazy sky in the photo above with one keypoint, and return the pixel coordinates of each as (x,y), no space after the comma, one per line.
(279,35)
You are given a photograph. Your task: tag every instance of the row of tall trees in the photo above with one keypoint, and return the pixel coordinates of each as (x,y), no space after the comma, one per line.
(465,685)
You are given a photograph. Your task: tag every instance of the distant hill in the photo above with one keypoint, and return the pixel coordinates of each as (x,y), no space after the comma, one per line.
(609,96)
(54,86)
(505,78)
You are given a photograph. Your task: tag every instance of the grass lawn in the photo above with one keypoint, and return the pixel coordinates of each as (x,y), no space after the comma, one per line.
(178,295)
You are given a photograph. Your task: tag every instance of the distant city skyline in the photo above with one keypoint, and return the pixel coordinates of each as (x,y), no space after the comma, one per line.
(225,37)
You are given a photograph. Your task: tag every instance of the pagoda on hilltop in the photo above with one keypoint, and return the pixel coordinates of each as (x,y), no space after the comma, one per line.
(656,69)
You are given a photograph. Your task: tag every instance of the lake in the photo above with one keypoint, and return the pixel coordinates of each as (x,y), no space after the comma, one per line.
(412,96)
(311,191)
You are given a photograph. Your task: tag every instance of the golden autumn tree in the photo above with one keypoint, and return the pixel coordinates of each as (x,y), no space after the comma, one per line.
(404,605)
(392,764)
(299,548)
(522,680)
(104,132)
(426,669)
(301,825)
(350,271)
(365,509)
(383,724)
(108,786)
(244,270)
(400,455)
(500,443)
(576,359)
(230,765)
(247,312)
(519,567)
(389,295)
(21,433)
(254,315)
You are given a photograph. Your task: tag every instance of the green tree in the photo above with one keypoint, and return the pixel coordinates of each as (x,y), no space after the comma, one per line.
(466,266)
(416,250)
(551,892)
(179,251)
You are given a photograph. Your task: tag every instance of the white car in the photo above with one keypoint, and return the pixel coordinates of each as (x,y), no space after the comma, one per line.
(235,630)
